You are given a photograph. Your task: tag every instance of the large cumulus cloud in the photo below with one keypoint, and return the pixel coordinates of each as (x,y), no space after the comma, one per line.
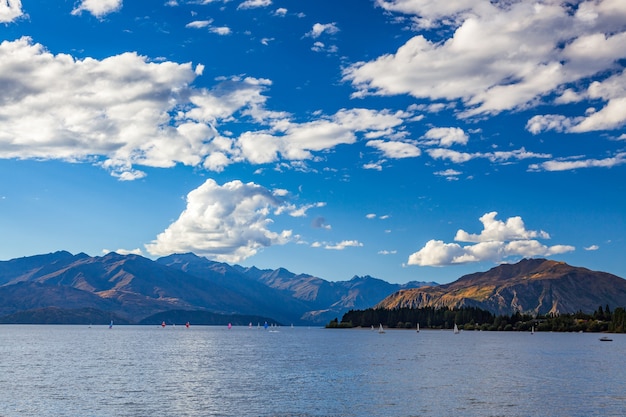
(497,241)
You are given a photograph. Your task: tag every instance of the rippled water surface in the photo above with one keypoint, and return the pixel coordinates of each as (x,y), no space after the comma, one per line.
(213,371)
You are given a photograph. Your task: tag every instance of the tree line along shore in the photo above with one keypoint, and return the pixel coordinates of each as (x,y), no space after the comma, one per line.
(472,318)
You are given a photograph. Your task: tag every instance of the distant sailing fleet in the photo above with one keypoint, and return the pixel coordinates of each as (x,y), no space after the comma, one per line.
(266,325)
(274,327)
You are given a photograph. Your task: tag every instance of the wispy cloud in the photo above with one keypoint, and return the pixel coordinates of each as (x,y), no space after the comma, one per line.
(199,24)
(374,216)
(498,156)
(567,165)
(337,246)
(449,174)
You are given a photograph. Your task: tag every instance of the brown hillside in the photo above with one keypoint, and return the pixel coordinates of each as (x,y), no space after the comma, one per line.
(534,286)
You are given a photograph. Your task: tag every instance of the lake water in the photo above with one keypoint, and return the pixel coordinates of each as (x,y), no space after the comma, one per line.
(212,371)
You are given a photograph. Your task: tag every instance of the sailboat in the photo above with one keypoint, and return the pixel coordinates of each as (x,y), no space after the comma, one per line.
(418,327)
(532,330)
(380,329)
(456,329)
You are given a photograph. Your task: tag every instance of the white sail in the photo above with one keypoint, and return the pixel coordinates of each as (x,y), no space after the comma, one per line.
(380,329)
(418,327)
(456,329)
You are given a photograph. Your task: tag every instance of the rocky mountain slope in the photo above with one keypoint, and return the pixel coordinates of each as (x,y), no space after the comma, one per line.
(535,286)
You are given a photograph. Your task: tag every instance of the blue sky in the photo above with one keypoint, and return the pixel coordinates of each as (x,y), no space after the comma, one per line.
(404,139)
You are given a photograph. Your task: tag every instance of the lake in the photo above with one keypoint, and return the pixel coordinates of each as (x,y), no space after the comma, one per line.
(213,371)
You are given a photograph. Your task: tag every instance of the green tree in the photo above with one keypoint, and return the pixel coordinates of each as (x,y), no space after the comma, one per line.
(618,321)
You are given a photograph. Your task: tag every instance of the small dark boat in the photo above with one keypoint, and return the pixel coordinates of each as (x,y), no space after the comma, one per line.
(606,339)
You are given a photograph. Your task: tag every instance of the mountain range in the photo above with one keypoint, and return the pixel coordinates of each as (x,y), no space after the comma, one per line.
(63,287)
(532,286)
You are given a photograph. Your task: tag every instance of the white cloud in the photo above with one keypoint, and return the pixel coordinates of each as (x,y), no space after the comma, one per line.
(371,216)
(568,165)
(376,166)
(395,149)
(337,246)
(118,108)
(517,154)
(501,55)
(199,24)
(387,252)
(251,4)
(556,122)
(612,116)
(124,111)
(450,174)
(496,242)
(498,156)
(322,47)
(280,192)
(512,229)
(592,248)
(297,141)
(446,136)
(295,211)
(10,10)
(436,253)
(98,8)
(136,251)
(454,156)
(281,11)
(429,9)
(227,223)
(222,30)
(319,29)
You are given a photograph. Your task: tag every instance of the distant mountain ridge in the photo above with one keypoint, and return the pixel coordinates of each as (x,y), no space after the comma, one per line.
(534,286)
(132,288)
